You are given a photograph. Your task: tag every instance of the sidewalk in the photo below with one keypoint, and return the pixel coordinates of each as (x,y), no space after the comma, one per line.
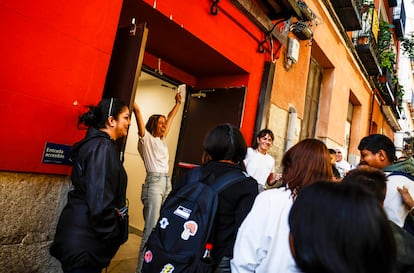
(125,260)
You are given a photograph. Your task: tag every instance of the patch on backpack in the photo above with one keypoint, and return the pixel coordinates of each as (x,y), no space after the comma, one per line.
(164,223)
(182,212)
(167,268)
(148,256)
(190,229)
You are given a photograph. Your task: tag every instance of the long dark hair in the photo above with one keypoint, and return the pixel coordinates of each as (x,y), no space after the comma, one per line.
(340,228)
(97,116)
(306,162)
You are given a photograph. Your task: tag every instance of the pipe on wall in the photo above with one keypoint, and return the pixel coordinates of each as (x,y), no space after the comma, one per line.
(290,133)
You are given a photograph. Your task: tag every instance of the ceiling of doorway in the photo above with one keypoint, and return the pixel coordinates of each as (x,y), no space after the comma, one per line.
(170,42)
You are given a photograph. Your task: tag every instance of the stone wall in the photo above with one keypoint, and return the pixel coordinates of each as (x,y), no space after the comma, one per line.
(31,205)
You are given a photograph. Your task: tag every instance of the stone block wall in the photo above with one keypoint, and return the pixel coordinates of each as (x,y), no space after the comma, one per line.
(30,207)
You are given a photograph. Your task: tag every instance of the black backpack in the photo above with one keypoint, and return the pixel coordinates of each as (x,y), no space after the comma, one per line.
(178,241)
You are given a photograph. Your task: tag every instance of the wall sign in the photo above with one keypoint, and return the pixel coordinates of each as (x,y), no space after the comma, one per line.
(56,154)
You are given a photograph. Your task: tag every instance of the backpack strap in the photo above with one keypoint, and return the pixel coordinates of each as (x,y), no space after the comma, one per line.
(409,176)
(226,180)
(194,175)
(218,184)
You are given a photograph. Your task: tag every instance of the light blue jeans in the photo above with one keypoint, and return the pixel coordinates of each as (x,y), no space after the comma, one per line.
(154,192)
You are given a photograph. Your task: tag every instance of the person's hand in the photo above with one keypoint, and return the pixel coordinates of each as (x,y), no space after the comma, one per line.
(406,197)
(178,98)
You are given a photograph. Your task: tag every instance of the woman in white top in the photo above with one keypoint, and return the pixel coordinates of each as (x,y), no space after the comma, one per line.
(154,153)
(341,164)
(259,164)
(262,243)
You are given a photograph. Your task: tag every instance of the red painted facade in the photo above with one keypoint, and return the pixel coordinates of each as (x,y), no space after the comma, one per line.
(55,57)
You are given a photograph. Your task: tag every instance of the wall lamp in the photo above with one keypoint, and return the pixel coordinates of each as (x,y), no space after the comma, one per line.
(302,30)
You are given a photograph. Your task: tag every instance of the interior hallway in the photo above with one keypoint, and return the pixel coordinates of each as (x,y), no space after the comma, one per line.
(125,260)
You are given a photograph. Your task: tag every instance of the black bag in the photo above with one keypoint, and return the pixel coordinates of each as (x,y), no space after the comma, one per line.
(123,223)
(178,241)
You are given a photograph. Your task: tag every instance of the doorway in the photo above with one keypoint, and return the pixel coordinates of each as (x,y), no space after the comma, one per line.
(171,55)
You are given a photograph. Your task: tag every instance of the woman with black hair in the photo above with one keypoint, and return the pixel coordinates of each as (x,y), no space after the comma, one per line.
(357,238)
(224,151)
(93,224)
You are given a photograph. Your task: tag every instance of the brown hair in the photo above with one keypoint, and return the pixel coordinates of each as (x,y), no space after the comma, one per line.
(152,122)
(305,163)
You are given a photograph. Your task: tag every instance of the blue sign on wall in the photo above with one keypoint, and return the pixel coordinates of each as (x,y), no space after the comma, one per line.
(56,154)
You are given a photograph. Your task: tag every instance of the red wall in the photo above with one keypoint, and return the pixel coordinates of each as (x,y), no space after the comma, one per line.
(54,58)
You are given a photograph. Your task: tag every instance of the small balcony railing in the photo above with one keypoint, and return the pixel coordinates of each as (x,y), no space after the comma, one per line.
(398,20)
(392,3)
(365,40)
(386,87)
(367,50)
(348,12)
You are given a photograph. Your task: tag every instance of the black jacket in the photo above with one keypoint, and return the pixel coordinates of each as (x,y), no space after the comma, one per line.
(235,202)
(88,231)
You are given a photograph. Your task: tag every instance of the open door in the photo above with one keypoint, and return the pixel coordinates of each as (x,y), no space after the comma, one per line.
(125,66)
(205,109)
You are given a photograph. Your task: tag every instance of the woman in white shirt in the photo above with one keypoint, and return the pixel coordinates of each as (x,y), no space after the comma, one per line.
(154,152)
(259,164)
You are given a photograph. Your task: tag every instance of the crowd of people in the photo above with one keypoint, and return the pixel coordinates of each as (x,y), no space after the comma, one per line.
(324,215)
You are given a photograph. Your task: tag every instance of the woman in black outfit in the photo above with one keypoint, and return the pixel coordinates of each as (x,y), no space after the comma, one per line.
(224,151)
(91,227)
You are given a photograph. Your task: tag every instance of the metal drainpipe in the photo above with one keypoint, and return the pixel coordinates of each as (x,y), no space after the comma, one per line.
(291,128)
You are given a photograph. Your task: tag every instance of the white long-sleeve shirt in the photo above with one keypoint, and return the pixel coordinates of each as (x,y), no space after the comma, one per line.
(262,243)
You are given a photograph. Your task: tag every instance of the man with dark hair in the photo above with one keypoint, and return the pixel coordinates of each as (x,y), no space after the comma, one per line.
(378,151)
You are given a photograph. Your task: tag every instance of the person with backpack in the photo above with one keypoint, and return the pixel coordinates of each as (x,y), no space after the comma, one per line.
(378,151)
(182,235)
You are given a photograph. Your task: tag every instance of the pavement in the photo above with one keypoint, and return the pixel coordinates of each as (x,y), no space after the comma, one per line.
(125,260)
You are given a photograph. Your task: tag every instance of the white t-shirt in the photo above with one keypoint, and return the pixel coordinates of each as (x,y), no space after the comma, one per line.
(258,165)
(154,153)
(262,243)
(393,204)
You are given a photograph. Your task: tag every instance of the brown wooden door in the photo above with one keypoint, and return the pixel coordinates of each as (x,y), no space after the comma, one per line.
(126,62)
(204,110)
(125,66)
